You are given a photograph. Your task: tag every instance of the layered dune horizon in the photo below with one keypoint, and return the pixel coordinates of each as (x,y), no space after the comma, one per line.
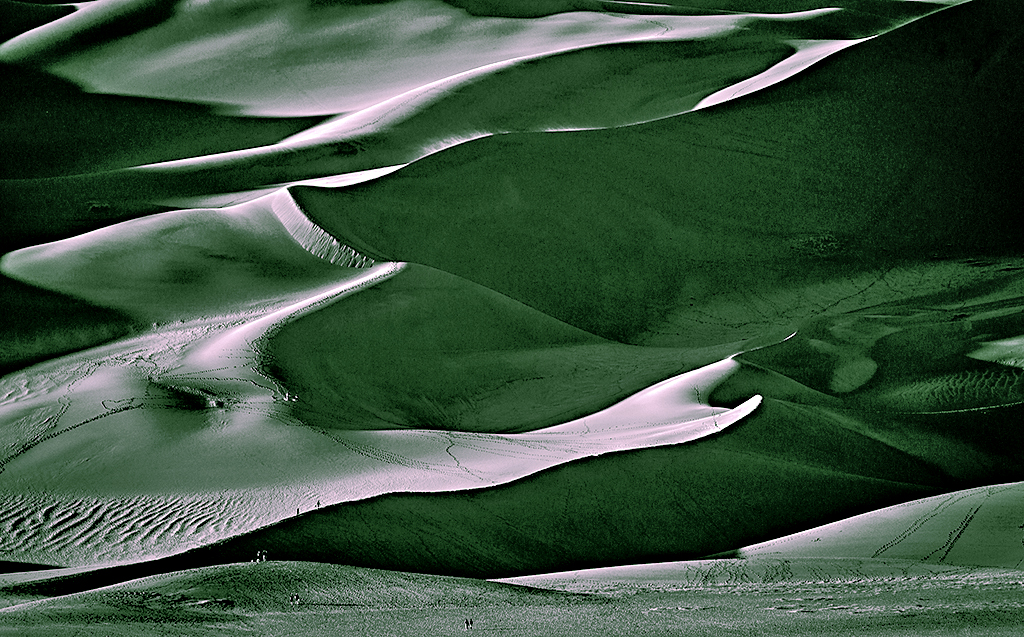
(586,317)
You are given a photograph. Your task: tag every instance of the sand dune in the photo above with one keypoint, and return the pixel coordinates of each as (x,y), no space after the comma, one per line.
(19,17)
(795,597)
(832,201)
(512,290)
(977,527)
(132,412)
(182,52)
(188,264)
(757,569)
(110,131)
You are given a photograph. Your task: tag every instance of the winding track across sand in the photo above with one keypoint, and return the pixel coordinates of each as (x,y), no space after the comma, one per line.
(182,423)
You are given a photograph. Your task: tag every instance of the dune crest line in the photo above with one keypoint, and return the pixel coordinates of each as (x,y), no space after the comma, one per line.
(194,400)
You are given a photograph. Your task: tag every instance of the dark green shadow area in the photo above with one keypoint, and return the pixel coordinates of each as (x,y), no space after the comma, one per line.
(18,17)
(38,324)
(900,150)
(427,349)
(54,128)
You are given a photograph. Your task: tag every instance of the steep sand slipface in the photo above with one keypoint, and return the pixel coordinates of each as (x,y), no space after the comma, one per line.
(848,191)
(187,264)
(543,93)
(286,51)
(775,470)
(617,232)
(430,350)
(167,424)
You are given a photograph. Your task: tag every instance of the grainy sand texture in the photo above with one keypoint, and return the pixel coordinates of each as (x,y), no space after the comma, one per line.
(539,317)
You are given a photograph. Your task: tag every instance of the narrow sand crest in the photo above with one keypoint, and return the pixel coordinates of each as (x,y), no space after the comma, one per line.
(356,45)
(548,89)
(186,414)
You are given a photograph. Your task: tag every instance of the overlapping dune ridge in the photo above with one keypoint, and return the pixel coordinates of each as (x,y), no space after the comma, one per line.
(492,291)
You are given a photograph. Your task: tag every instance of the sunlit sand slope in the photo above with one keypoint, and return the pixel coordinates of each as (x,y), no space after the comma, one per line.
(624,243)
(430,350)
(291,58)
(530,76)
(168,422)
(979,527)
(774,470)
(551,331)
(188,264)
(759,569)
(108,131)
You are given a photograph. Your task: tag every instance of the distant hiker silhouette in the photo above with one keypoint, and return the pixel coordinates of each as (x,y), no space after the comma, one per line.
(467,624)
(471,623)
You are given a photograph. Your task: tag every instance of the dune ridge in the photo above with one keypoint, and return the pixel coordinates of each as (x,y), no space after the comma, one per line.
(514,292)
(196,390)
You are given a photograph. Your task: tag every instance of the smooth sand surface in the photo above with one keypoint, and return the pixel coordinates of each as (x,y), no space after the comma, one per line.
(512,291)
(978,527)
(178,411)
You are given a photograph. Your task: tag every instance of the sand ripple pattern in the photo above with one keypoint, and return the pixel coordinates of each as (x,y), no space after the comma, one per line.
(960,391)
(126,529)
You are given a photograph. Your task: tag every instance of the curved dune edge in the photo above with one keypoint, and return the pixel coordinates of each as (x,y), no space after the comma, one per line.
(973,527)
(694,575)
(183,410)
(191,264)
(421,121)
(846,596)
(193,43)
(952,533)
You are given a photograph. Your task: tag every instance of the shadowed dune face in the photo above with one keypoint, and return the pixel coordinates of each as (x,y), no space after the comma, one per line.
(180,265)
(908,373)
(336,57)
(19,17)
(619,282)
(39,324)
(108,131)
(428,350)
(861,181)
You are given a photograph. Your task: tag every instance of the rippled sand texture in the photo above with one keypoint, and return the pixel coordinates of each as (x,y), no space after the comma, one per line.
(511,290)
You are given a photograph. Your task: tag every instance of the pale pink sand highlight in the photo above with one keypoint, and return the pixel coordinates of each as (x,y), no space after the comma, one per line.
(947,536)
(357,47)
(176,438)
(980,527)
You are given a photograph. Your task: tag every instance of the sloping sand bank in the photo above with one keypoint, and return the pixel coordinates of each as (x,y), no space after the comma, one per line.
(817,597)
(176,413)
(613,284)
